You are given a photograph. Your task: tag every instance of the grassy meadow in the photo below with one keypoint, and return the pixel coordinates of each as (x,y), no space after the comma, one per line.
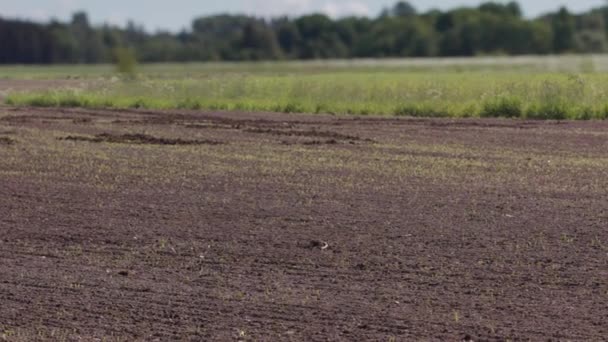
(568,87)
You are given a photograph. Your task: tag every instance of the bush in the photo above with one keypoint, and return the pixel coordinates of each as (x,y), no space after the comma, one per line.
(506,107)
(603,113)
(548,111)
(585,113)
(125,60)
(71,101)
(42,101)
(138,103)
(293,107)
(420,111)
(189,103)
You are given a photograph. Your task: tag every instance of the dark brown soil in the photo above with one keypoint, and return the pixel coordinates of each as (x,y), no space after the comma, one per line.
(6,141)
(308,133)
(137,139)
(447,230)
(322,142)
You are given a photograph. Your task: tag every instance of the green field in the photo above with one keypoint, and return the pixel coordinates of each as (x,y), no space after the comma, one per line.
(569,87)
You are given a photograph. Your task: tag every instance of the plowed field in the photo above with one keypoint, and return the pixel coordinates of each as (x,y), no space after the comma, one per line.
(183,225)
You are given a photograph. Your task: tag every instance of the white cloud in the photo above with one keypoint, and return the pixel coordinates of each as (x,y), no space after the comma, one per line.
(117,19)
(38,14)
(67,4)
(339,9)
(268,8)
(40,11)
(335,8)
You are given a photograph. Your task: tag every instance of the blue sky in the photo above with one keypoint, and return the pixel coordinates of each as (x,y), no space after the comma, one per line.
(176,14)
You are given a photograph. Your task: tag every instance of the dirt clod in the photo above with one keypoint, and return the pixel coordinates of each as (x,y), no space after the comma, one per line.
(6,141)
(317,244)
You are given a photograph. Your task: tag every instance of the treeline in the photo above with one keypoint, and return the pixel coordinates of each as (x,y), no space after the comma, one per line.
(400,31)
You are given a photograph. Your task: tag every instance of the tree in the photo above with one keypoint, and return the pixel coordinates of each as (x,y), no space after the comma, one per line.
(510,9)
(404,9)
(288,36)
(400,9)
(563,31)
(319,38)
(491,28)
(259,42)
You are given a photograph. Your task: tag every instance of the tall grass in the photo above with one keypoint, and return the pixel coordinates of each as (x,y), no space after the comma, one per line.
(526,64)
(522,87)
(446,94)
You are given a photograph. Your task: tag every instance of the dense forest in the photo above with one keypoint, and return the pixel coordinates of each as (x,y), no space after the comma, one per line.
(400,31)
